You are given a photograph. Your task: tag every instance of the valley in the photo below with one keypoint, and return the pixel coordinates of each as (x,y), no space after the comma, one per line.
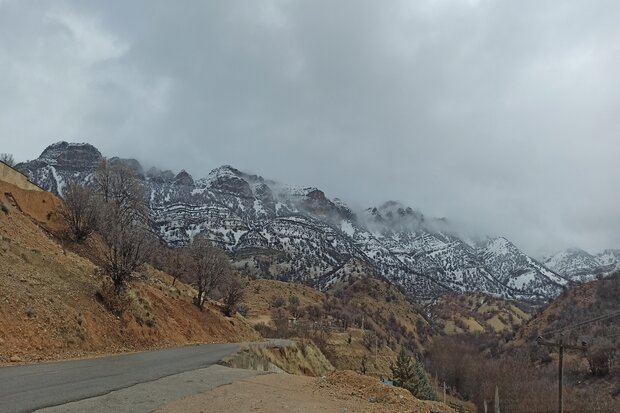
(350,289)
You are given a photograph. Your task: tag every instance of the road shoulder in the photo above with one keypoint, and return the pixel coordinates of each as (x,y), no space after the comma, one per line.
(275,393)
(149,396)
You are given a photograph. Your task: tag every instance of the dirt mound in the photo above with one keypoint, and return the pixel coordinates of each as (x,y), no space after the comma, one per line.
(48,296)
(348,383)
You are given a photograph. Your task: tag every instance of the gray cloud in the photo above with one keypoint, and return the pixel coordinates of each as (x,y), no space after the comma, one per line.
(501,115)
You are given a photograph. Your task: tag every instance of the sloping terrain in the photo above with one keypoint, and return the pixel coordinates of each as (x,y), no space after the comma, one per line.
(358,324)
(583,303)
(477,313)
(590,314)
(473,365)
(48,295)
(579,265)
(299,234)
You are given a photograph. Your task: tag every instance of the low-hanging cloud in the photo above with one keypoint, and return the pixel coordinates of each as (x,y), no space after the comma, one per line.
(502,116)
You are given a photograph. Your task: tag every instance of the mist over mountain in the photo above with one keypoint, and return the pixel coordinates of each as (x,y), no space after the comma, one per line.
(274,230)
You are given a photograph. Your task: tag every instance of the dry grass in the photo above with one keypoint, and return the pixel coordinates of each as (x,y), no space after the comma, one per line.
(477,313)
(302,357)
(260,293)
(370,299)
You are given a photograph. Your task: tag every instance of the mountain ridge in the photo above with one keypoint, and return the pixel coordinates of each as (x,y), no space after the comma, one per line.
(579,265)
(298,234)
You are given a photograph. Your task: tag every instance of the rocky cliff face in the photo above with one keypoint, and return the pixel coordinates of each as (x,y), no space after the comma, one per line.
(291,233)
(60,163)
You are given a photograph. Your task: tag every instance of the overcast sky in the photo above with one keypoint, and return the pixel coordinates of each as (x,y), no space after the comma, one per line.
(503,116)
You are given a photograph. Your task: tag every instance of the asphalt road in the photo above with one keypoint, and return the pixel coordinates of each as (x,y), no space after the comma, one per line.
(31,387)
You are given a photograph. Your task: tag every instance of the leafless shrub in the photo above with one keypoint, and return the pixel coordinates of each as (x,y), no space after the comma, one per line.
(280,320)
(600,357)
(79,209)
(175,261)
(294,308)
(123,224)
(277,301)
(7,158)
(233,294)
(314,312)
(264,330)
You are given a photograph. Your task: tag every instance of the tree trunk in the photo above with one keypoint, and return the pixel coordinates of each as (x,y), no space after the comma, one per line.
(118,285)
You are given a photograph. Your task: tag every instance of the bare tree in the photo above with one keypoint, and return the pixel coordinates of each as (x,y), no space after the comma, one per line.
(103,179)
(79,209)
(123,224)
(280,320)
(210,268)
(7,158)
(233,294)
(172,260)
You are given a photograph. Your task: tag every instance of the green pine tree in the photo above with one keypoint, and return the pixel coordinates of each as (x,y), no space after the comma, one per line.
(410,375)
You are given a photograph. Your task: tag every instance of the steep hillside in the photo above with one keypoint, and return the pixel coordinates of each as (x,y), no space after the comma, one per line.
(477,313)
(362,319)
(48,295)
(589,314)
(590,301)
(299,234)
(474,364)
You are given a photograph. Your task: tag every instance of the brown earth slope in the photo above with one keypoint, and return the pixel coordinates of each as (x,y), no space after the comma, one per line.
(478,313)
(358,324)
(48,295)
(587,313)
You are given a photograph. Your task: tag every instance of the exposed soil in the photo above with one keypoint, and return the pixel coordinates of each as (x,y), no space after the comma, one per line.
(342,391)
(48,296)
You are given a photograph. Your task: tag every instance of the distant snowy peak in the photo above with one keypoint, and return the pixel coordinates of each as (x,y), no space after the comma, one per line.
(184,178)
(223,180)
(580,265)
(499,246)
(298,233)
(157,174)
(518,271)
(610,258)
(394,216)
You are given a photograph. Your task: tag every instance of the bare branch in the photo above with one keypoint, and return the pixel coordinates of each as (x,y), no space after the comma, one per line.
(79,209)
(7,158)
(210,267)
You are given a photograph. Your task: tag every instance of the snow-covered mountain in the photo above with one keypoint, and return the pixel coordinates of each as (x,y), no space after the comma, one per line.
(518,271)
(579,265)
(291,233)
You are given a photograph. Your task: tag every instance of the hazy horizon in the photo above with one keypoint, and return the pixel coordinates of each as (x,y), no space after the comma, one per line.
(500,116)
